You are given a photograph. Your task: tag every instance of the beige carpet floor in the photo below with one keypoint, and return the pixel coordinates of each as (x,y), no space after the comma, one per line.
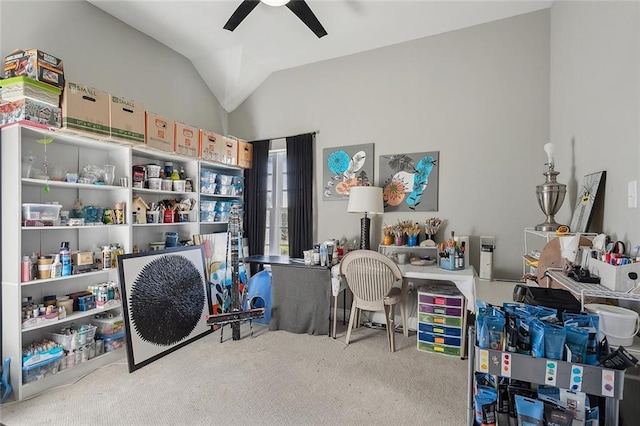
(274,378)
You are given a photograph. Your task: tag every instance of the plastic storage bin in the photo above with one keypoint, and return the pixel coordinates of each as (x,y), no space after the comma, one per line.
(74,338)
(32,211)
(40,370)
(113,342)
(108,324)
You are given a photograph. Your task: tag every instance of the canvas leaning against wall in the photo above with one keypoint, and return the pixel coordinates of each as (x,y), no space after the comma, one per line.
(344,167)
(165,301)
(410,181)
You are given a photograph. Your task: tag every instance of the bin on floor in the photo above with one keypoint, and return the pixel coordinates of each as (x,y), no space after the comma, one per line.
(259,295)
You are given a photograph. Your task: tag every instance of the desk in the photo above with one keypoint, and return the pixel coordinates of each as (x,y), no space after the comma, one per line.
(301,294)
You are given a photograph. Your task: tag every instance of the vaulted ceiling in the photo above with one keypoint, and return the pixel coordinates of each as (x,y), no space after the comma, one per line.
(269,39)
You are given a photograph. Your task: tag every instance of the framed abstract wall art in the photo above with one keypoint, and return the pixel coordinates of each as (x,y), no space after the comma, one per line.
(344,167)
(165,301)
(410,181)
(587,194)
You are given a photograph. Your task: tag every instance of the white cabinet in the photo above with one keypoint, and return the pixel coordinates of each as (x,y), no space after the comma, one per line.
(70,153)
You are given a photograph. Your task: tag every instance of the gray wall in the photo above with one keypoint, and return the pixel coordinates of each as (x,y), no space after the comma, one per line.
(479,95)
(101,51)
(595,104)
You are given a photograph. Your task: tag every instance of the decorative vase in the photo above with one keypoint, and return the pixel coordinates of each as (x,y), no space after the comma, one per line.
(399,240)
(412,240)
(387,240)
(430,237)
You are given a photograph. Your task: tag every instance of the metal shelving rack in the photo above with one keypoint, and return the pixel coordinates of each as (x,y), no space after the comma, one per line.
(583,290)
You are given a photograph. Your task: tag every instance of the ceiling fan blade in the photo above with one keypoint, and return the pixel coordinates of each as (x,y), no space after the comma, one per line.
(303,11)
(240,13)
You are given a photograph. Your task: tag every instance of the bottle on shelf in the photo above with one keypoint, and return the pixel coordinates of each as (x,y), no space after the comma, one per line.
(56,267)
(106,257)
(25,271)
(65,258)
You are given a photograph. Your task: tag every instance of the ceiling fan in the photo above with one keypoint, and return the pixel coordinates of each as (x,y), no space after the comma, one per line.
(299,7)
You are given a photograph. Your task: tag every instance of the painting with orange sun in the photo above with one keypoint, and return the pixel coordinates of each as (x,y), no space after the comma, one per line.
(410,181)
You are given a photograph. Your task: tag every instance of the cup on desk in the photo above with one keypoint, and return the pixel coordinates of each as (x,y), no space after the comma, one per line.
(402,258)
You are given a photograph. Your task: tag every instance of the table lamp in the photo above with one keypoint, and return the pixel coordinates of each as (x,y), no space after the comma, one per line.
(550,194)
(367,200)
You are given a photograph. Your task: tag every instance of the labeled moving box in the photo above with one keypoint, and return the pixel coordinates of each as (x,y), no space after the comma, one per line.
(228,151)
(35,64)
(85,109)
(209,143)
(186,140)
(158,132)
(245,154)
(126,120)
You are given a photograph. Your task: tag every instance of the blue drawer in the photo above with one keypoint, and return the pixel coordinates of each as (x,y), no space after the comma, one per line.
(439,339)
(439,329)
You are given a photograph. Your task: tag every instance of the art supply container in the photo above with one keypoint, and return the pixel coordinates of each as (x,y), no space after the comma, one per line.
(44,266)
(171,239)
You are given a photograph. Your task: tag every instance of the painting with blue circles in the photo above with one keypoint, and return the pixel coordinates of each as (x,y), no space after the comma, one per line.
(345,167)
(410,181)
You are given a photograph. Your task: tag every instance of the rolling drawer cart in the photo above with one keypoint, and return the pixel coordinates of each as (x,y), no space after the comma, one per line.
(442,316)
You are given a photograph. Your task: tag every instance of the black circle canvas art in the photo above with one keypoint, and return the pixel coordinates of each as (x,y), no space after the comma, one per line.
(167,299)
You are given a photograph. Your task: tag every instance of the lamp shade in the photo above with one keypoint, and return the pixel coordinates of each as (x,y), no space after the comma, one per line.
(365,199)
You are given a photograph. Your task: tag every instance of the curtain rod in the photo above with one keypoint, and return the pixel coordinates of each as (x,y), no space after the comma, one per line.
(315,132)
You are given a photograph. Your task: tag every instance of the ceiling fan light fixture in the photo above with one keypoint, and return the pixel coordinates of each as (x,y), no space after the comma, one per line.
(275,3)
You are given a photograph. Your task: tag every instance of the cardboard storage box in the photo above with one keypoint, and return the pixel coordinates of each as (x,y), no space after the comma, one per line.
(611,276)
(35,64)
(228,151)
(85,109)
(186,140)
(209,142)
(29,111)
(18,88)
(158,132)
(245,154)
(126,119)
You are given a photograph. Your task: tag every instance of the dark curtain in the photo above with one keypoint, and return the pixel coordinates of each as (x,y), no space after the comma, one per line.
(255,200)
(299,192)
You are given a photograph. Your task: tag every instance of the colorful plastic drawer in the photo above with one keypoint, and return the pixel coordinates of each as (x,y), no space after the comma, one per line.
(439,300)
(440,320)
(447,350)
(440,310)
(439,329)
(439,340)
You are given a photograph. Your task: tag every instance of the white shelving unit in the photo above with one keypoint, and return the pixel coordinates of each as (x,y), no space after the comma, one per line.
(412,251)
(68,152)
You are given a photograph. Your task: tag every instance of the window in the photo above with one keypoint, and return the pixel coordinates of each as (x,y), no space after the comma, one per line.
(277,230)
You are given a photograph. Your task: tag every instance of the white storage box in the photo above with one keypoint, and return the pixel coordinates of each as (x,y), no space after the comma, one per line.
(31,211)
(613,277)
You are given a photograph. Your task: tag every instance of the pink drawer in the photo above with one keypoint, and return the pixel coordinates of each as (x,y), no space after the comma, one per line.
(440,300)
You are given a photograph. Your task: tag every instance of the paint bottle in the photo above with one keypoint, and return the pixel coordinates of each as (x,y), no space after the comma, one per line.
(56,267)
(65,259)
(106,257)
(25,271)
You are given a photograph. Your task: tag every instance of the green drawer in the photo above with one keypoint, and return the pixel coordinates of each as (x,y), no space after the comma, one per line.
(441,349)
(440,320)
